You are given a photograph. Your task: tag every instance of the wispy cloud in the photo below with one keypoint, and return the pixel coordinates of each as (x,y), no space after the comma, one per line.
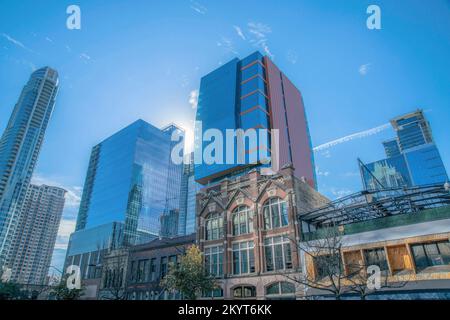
(292,57)
(73,195)
(48,39)
(66,227)
(16,42)
(85,57)
(239,32)
(322,173)
(197,7)
(259,32)
(340,193)
(227,44)
(193,99)
(358,135)
(364,69)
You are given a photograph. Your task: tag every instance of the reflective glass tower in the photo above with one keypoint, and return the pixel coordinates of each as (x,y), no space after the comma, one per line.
(189,189)
(413,158)
(130,182)
(19,149)
(131,179)
(252,93)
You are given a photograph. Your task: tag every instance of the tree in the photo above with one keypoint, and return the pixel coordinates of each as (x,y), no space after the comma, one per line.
(327,271)
(325,265)
(365,282)
(8,289)
(62,292)
(189,277)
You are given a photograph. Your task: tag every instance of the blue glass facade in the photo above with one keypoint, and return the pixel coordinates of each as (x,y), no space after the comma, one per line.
(233,97)
(19,149)
(391,148)
(391,173)
(189,189)
(413,158)
(131,179)
(425,165)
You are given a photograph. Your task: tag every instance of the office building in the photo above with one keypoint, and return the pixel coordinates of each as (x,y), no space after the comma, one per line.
(189,189)
(251,93)
(19,149)
(131,180)
(35,236)
(413,158)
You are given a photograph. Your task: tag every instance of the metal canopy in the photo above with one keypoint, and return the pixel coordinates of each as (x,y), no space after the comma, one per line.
(372,204)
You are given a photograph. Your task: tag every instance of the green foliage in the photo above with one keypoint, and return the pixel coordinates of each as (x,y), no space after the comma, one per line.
(11,291)
(61,292)
(189,277)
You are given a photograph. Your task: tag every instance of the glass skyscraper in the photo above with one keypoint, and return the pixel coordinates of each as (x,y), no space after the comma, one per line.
(252,93)
(189,189)
(412,157)
(131,181)
(19,149)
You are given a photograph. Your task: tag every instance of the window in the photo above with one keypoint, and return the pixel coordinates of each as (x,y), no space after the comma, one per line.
(243,257)
(214,260)
(431,254)
(216,293)
(242,220)
(376,257)
(275,213)
(153,269)
(281,290)
(163,269)
(214,226)
(142,274)
(278,253)
(244,292)
(328,265)
(133,272)
(173,261)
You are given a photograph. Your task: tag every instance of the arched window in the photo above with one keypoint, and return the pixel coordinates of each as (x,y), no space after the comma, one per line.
(242,220)
(214,226)
(244,292)
(280,290)
(275,213)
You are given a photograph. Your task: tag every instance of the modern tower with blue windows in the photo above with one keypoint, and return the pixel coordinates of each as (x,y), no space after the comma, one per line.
(252,93)
(130,182)
(413,158)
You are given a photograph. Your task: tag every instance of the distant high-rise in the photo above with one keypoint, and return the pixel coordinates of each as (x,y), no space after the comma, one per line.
(19,149)
(412,157)
(35,236)
(131,180)
(189,189)
(412,130)
(253,93)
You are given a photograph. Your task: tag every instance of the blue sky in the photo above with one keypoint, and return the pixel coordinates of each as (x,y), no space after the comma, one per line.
(144,59)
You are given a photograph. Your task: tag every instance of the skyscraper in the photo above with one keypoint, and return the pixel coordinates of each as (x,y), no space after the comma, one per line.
(413,158)
(36,233)
(131,180)
(189,189)
(253,93)
(19,149)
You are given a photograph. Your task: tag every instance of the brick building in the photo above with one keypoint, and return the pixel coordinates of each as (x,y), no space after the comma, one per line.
(148,263)
(248,232)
